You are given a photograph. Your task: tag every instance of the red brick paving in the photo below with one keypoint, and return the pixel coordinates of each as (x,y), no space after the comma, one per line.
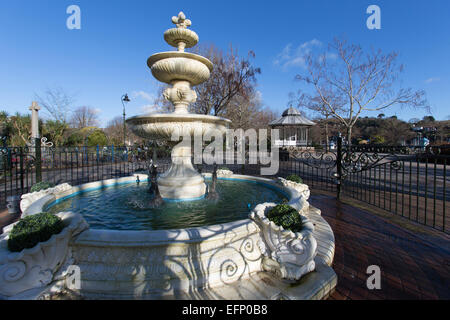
(414,264)
(6,218)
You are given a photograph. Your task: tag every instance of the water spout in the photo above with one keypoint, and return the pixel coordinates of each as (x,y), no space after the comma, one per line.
(154,190)
(212,193)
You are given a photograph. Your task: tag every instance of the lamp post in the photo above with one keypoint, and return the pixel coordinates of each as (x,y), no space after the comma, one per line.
(124,99)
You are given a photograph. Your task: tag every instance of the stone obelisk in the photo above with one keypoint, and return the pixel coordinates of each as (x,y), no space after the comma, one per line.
(34,121)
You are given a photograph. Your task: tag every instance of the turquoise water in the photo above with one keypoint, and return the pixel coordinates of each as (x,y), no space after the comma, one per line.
(127,207)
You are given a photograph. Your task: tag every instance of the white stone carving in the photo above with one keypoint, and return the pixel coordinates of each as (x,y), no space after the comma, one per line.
(224,172)
(181,37)
(180,94)
(35,267)
(153,264)
(29,198)
(289,254)
(302,188)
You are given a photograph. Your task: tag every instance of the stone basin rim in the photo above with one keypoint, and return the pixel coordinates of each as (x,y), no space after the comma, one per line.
(176,117)
(177,54)
(145,237)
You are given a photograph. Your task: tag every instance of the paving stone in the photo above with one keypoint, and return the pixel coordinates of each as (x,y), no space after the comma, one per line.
(413,265)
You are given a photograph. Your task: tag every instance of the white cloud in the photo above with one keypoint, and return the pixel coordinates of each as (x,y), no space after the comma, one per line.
(144,95)
(149,108)
(149,100)
(289,57)
(430,80)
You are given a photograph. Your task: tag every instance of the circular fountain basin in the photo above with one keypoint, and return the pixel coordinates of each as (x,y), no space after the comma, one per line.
(213,261)
(128,206)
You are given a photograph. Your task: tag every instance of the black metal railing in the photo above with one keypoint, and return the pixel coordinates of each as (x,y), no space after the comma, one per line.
(22,167)
(409,182)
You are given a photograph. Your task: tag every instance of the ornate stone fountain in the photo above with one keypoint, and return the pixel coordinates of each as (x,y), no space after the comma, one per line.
(182,70)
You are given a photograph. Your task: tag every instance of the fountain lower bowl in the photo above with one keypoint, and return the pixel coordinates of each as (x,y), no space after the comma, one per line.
(170,126)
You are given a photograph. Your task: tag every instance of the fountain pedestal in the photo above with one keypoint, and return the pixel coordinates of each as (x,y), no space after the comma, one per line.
(181,181)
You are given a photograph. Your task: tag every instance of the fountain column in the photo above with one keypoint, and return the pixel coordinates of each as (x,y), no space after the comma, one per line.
(181,181)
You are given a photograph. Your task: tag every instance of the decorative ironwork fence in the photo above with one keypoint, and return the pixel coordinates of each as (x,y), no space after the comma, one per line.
(22,167)
(410,182)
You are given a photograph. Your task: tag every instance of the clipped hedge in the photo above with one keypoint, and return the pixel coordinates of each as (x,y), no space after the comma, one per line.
(285,216)
(41,186)
(31,230)
(294,178)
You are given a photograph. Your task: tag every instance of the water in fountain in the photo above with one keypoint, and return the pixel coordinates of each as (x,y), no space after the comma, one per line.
(130,207)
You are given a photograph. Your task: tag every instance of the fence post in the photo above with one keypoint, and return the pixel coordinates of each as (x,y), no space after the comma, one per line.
(37,149)
(339,166)
(21,156)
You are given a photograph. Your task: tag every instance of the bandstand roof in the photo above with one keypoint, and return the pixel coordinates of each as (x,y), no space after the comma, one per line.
(290,117)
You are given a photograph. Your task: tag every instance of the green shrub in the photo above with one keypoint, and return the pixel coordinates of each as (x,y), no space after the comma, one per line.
(31,230)
(41,186)
(286,216)
(224,168)
(294,178)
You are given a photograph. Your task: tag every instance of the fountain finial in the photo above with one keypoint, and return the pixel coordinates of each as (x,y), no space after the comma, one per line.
(181,21)
(181,37)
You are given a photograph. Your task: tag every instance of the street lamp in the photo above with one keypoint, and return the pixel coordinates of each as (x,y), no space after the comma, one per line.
(124,99)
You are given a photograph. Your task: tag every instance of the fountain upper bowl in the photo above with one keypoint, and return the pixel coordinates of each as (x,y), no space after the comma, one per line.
(175,65)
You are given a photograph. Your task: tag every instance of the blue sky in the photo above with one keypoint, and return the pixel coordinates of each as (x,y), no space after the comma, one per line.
(107,57)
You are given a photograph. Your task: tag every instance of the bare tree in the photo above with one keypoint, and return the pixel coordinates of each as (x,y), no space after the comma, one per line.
(348,81)
(84,117)
(317,106)
(230,77)
(57,102)
(246,111)
(263,117)
(114,131)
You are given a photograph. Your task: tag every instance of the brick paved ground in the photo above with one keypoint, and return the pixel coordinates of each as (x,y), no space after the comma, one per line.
(414,260)
(6,218)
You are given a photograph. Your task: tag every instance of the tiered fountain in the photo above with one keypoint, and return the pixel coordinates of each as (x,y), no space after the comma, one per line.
(182,70)
(113,246)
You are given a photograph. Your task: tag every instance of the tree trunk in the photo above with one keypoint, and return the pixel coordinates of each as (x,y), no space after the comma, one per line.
(349,136)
